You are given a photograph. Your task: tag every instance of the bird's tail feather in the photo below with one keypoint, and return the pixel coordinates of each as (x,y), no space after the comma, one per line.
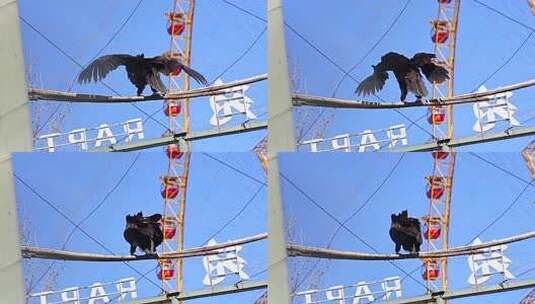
(415,84)
(156,82)
(195,75)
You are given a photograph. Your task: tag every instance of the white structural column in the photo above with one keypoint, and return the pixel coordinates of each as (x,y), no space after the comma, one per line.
(280,138)
(15,135)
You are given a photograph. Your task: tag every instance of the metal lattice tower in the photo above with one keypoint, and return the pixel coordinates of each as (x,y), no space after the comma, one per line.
(174,184)
(439,184)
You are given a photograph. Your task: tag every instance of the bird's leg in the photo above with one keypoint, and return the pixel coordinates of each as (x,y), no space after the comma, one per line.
(140,90)
(152,249)
(418,99)
(156,92)
(132,249)
(398,248)
(402,88)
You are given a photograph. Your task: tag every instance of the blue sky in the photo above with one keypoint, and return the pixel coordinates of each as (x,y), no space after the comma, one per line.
(221,33)
(342,182)
(345,32)
(77,182)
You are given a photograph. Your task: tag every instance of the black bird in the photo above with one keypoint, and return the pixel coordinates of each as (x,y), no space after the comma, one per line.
(141,71)
(407,72)
(406,232)
(143,232)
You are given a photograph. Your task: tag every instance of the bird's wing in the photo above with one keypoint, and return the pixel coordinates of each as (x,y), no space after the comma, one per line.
(420,59)
(167,62)
(156,82)
(435,73)
(394,234)
(411,231)
(372,84)
(194,74)
(389,62)
(102,66)
(432,71)
(392,61)
(153,218)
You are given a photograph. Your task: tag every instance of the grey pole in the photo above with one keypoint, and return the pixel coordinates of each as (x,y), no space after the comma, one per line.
(15,135)
(280,138)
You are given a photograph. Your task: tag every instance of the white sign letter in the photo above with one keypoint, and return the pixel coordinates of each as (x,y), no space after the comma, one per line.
(50,140)
(131,131)
(308,295)
(344,145)
(233,98)
(486,112)
(396,287)
(402,135)
(104,134)
(368,140)
(124,290)
(42,296)
(362,292)
(216,264)
(338,297)
(74,298)
(313,144)
(98,293)
(82,139)
(481,264)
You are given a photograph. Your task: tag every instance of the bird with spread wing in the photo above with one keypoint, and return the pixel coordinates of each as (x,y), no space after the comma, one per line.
(407,72)
(141,71)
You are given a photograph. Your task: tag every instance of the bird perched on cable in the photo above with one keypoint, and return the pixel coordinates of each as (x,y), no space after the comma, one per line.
(406,232)
(143,232)
(407,72)
(140,70)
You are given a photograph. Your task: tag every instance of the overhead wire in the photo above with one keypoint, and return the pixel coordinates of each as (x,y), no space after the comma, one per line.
(503,213)
(527,185)
(66,217)
(370,50)
(366,202)
(505,15)
(76,227)
(248,12)
(359,62)
(319,206)
(506,62)
(242,55)
(249,176)
(115,34)
(515,52)
(236,61)
(81,66)
(508,172)
(325,56)
(150,116)
(235,216)
(375,45)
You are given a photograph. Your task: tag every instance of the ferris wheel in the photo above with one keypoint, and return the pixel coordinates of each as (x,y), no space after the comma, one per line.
(440,182)
(179,20)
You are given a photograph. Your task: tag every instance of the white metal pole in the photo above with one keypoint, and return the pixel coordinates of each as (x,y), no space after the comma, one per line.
(15,135)
(280,138)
